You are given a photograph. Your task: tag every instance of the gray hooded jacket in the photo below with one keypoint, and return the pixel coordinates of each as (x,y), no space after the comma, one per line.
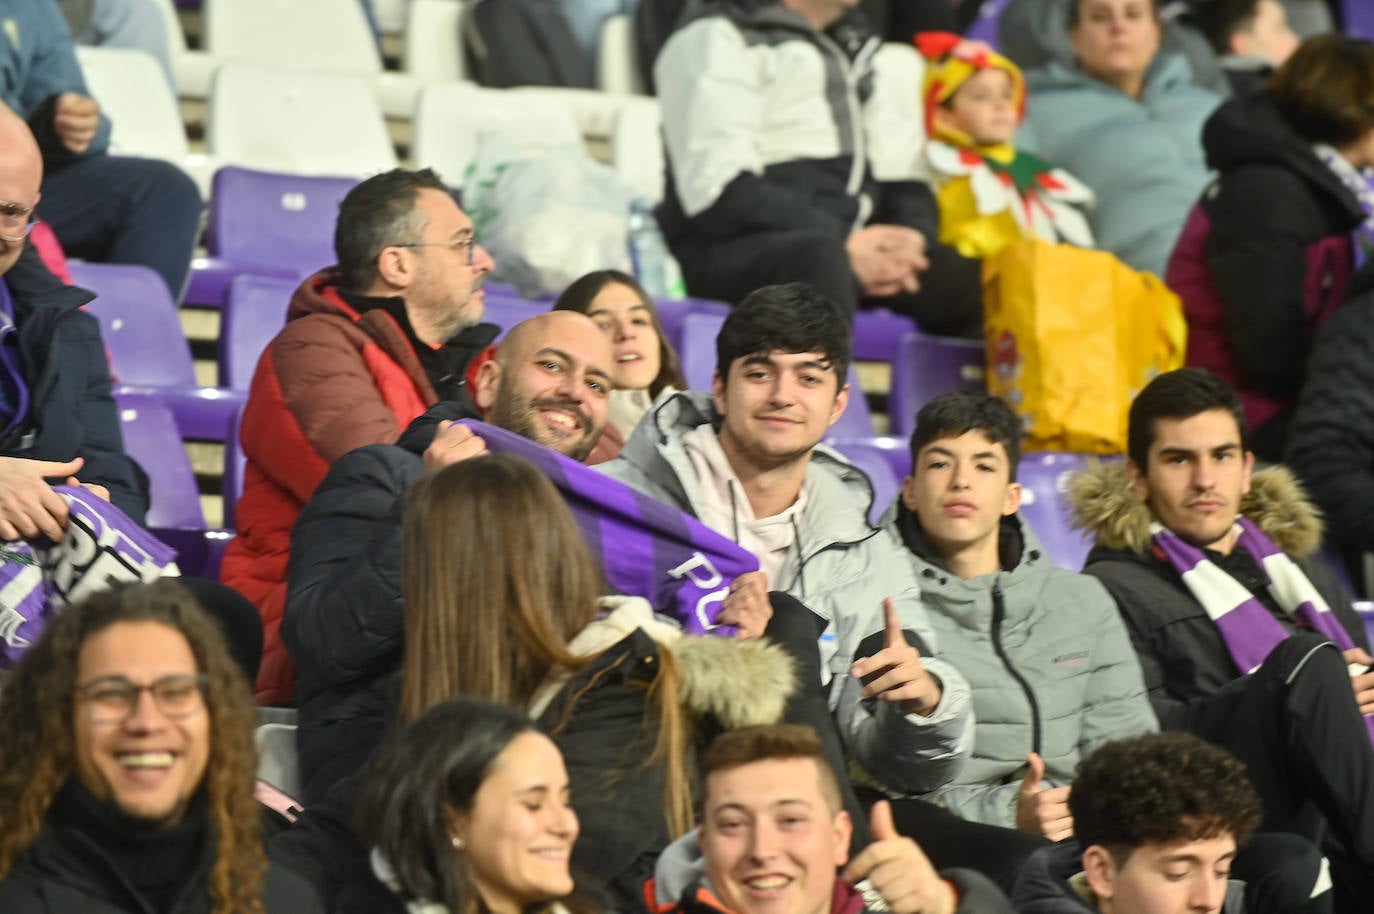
(842,569)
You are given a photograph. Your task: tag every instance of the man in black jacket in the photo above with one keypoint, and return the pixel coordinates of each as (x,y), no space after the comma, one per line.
(1243,640)
(784,164)
(57,416)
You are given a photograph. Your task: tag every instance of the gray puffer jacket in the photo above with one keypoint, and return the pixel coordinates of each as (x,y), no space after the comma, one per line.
(1047,657)
(842,569)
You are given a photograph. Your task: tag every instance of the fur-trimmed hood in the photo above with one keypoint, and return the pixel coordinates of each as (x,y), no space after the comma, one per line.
(1104,505)
(738,683)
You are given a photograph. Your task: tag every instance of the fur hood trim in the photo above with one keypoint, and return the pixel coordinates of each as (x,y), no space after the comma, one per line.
(1103,504)
(739,683)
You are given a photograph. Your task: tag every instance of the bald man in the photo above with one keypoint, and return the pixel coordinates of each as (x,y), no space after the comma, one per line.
(57,418)
(550,382)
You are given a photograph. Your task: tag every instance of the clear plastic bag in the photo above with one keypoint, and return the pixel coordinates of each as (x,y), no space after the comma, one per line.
(546,217)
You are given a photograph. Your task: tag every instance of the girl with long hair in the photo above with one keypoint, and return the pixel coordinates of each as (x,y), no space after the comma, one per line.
(504,602)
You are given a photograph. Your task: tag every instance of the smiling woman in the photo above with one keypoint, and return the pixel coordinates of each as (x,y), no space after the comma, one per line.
(469,811)
(646,365)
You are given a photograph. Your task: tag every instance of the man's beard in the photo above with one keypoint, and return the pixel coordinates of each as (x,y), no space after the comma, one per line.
(516,414)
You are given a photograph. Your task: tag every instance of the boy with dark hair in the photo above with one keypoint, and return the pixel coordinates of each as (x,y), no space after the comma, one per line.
(773,831)
(747,461)
(1159,820)
(1244,638)
(1048,660)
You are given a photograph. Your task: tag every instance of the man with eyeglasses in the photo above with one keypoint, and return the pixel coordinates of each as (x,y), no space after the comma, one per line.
(110,208)
(57,420)
(128,767)
(369,345)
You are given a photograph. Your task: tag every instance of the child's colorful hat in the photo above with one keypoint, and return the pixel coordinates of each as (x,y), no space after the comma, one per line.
(950,60)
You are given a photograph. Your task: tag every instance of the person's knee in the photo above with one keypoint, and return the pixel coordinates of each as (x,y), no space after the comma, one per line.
(155,183)
(1283,872)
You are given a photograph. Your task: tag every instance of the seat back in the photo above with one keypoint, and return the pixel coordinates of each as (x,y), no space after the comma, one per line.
(924,368)
(451,118)
(1358,16)
(505,311)
(276,119)
(281,222)
(318,35)
(433,48)
(278,764)
(231,486)
(637,147)
(617,58)
(873,459)
(254,311)
(985,25)
(1044,506)
(698,355)
(151,437)
(132,89)
(139,323)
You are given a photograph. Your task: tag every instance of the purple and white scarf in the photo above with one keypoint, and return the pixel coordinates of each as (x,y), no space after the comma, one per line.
(1247,628)
(101,546)
(1360,182)
(647,549)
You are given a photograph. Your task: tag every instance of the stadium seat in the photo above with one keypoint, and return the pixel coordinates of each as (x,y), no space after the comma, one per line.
(877,332)
(872,459)
(1044,506)
(231,485)
(321,36)
(451,118)
(266,223)
(1358,16)
(151,437)
(985,25)
(673,311)
(433,48)
(507,311)
(925,367)
(145,119)
(617,58)
(698,355)
(637,147)
(300,123)
(277,760)
(254,311)
(148,350)
(192,70)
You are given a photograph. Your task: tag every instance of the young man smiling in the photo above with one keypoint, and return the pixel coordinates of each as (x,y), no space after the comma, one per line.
(1243,637)
(773,834)
(747,461)
(1048,660)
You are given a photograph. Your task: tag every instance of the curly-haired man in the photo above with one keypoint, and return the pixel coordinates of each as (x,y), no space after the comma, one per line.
(127,768)
(1158,821)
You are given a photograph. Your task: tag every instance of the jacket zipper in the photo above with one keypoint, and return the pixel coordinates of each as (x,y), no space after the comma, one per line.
(999,615)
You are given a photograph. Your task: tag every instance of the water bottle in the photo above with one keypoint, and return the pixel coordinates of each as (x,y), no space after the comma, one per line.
(650,259)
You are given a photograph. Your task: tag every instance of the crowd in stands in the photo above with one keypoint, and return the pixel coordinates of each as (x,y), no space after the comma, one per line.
(561,634)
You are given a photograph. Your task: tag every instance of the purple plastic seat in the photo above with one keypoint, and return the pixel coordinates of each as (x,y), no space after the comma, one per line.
(1358,16)
(265,223)
(507,311)
(698,355)
(927,366)
(1044,507)
(672,312)
(1365,610)
(231,485)
(254,312)
(148,350)
(985,24)
(877,332)
(871,457)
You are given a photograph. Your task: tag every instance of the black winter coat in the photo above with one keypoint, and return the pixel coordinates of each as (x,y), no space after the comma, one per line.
(72,411)
(1331,446)
(345,621)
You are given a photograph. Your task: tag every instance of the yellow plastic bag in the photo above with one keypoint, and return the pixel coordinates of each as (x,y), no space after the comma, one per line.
(1072,337)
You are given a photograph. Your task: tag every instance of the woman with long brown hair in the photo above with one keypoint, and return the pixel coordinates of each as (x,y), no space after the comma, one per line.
(504,602)
(647,366)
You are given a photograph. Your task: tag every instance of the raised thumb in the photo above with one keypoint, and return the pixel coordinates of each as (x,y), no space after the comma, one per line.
(1035,773)
(880,821)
